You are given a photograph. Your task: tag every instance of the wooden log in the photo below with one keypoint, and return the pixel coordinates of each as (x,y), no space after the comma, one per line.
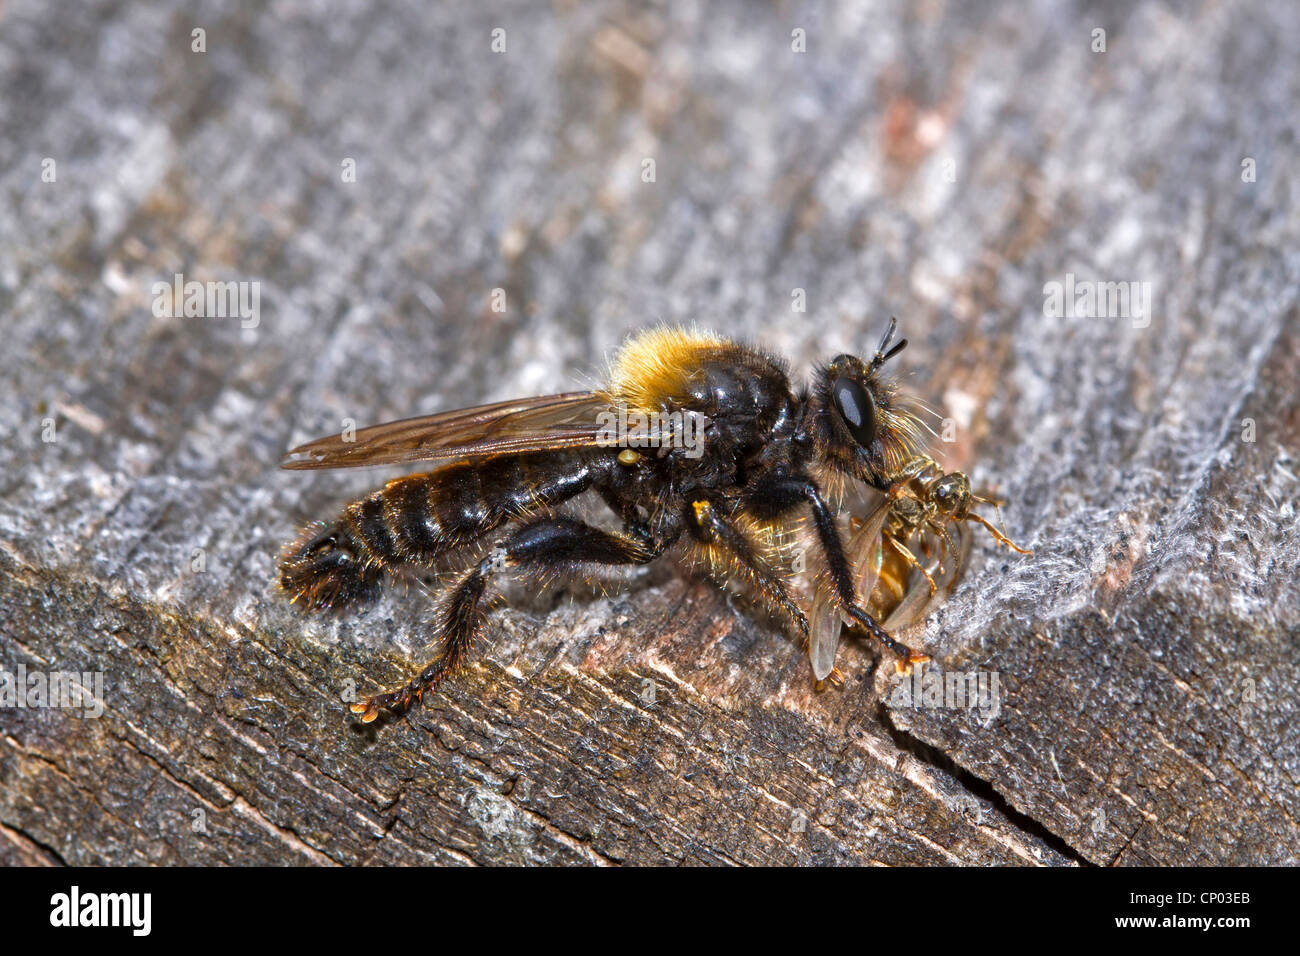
(789,175)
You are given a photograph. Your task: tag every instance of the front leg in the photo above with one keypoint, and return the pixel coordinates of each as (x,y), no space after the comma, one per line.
(774,497)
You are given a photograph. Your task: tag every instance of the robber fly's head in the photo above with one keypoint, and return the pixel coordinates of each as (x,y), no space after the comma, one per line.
(858,422)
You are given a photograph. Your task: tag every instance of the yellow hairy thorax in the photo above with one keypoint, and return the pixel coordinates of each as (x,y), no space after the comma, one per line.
(654,367)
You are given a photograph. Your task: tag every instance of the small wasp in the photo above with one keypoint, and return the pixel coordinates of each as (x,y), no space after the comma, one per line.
(921,511)
(714,454)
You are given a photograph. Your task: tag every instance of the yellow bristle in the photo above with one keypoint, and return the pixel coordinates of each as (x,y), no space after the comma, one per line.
(655,364)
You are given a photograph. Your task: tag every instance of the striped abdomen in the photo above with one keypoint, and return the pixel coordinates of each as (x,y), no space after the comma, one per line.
(414,520)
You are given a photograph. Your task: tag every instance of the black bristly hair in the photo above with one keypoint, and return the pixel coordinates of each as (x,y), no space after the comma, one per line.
(884,434)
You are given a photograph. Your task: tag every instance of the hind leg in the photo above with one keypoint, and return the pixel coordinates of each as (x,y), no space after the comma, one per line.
(548,544)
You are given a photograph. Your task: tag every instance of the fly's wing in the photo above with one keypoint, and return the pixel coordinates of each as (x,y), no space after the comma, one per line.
(864,550)
(918,603)
(825,623)
(547,422)
(824,626)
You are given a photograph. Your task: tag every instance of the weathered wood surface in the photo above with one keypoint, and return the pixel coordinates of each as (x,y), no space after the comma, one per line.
(1147,651)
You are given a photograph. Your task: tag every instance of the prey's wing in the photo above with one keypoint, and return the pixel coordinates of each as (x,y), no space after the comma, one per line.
(918,603)
(825,619)
(547,422)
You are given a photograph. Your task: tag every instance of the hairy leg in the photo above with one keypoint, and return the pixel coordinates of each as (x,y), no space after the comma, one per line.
(710,526)
(558,544)
(781,494)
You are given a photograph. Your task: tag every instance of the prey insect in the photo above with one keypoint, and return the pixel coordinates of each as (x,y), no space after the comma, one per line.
(908,553)
(501,475)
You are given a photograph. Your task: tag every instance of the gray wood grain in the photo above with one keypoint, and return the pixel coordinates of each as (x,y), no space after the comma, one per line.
(941,162)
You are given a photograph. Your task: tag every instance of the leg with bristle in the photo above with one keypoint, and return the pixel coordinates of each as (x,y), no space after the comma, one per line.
(712,527)
(462,621)
(777,497)
(557,544)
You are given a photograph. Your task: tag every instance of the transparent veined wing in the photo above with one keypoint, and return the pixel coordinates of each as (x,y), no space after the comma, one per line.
(546,422)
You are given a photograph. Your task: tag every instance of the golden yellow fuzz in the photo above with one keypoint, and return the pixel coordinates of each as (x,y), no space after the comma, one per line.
(654,366)
(774,543)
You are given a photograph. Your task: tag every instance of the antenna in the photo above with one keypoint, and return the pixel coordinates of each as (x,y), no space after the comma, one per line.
(882,356)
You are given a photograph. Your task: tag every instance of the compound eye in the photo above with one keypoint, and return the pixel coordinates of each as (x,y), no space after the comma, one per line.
(951,491)
(856,408)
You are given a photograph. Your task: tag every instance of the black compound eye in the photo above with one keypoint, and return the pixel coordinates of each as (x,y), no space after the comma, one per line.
(856,408)
(951,491)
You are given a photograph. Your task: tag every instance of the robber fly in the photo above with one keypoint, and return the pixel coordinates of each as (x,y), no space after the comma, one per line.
(907,554)
(499,473)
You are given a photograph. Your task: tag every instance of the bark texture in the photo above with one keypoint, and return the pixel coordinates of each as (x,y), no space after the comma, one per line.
(944,162)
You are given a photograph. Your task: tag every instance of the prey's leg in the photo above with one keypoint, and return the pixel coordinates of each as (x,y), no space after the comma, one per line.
(997,535)
(997,503)
(911,559)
